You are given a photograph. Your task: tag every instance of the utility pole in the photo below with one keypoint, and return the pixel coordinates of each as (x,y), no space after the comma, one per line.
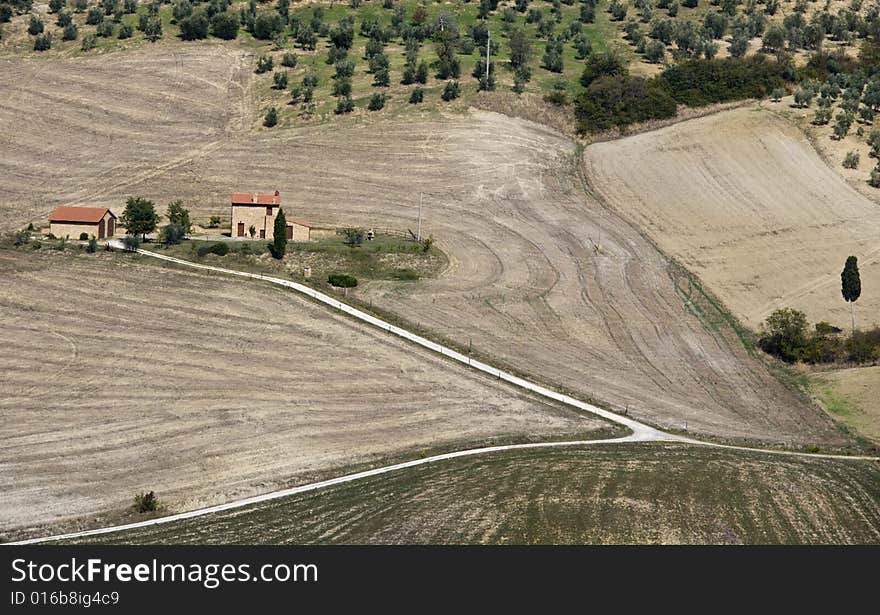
(487,59)
(419,234)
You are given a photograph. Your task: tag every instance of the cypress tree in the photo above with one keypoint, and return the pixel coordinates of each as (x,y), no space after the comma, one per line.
(280,235)
(851,285)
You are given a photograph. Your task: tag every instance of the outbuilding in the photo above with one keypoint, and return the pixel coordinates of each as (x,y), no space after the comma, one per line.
(71,222)
(259,211)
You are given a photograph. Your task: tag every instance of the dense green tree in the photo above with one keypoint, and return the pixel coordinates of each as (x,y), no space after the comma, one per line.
(851,286)
(602,64)
(520,48)
(784,334)
(279,238)
(139,217)
(271,117)
(194,27)
(35,25)
(225,25)
(178,215)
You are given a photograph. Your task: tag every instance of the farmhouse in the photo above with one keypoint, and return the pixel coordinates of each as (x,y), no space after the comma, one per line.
(71,222)
(259,211)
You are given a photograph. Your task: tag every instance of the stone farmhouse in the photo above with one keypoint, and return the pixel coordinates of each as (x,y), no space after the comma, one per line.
(71,222)
(259,211)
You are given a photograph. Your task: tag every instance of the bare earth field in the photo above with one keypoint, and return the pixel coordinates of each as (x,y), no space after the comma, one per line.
(851,395)
(120,377)
(742,199)
(642,494)
(542,277)
(74,129)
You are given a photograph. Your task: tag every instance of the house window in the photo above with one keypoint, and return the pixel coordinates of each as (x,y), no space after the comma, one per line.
(268,211)
(262,233)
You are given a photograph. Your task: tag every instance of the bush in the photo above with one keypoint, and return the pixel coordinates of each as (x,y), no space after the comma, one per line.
(69,33)
(94,16)
(344,105)
(279,81)
(851,161)
(125,31)
(416,96)
(784,334)
(700,82)
(267,25)
(620,101)
(264,64)
(289,60)
(146,502)
(194,27)
(83,236)
(35,25)
(43,42)
(219,248)
(451,91)
(342,280)
(271,117)
(352,237)
(225,25)
(377,101)
(405,275)
(92,247)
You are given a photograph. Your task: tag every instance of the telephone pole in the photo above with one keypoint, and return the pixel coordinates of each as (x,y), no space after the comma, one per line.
(487,59)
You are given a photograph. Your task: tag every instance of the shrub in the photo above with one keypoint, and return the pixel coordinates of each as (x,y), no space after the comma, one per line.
(271,117)
(655,51)
(377,101)
(851,161)
(146,502)
(214,221)
(35,25)
(225,25)
(92,247)
(416,96)
(219,248)
(279,81)
(125,31)
(43,42)
(784,334)
(267,25)
(344,105)
(620,101)
(194,27)
(264,64)
(700,82)
(342,280)
(451,91)
(83,236)
(289,60)
(405,275)
(69,33)
(353,237)
(94,16)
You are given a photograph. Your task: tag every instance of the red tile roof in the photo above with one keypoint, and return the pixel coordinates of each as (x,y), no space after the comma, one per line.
(88,215)
(246,198)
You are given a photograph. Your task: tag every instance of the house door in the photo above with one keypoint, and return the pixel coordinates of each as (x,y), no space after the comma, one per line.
(290,231)
(101,229)
(262,233)
(240,229)
(111,227)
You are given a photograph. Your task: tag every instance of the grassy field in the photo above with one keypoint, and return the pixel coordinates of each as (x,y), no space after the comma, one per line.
(851,396)
(606,494)
(385,258)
